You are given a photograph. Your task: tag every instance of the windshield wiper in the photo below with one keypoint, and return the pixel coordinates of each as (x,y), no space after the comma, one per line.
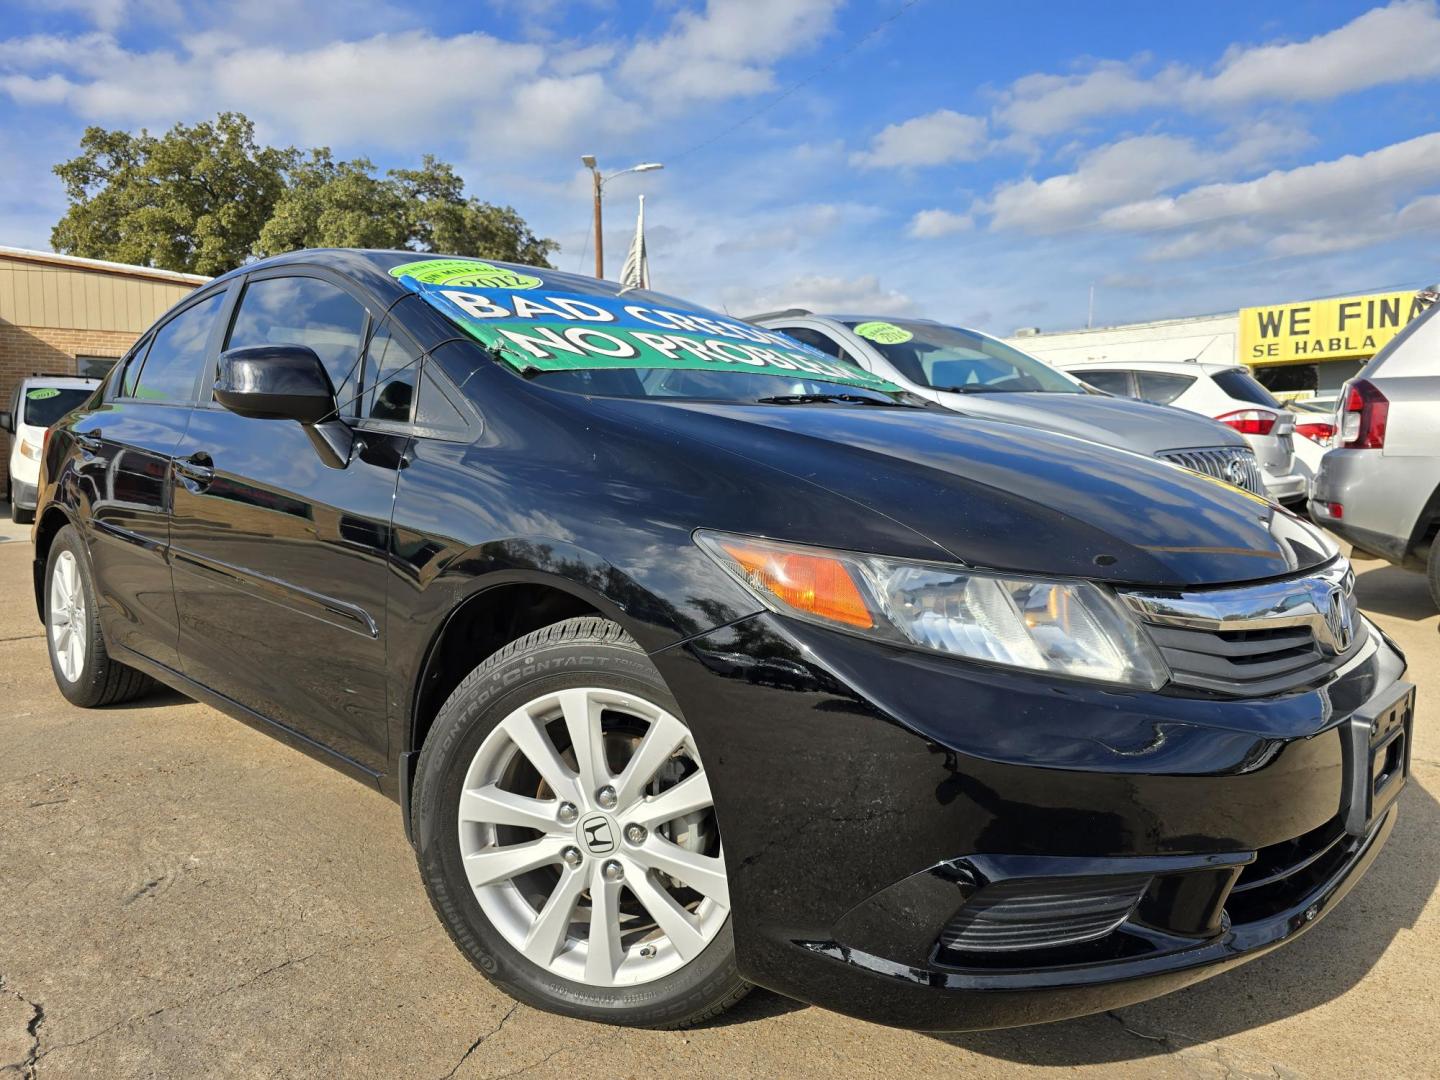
(972,388)
(812,399)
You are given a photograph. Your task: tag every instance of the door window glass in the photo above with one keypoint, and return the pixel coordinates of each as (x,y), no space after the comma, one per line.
(177,355)
(1112,382)
(391,369)
(306,311)
(816,340)
(1160,388)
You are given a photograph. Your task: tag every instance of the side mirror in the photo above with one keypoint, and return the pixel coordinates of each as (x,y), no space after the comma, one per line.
(7,422)
(275,382)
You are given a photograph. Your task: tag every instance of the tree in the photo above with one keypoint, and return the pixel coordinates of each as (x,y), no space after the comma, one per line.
(334,204)
(206,198)
(193,199)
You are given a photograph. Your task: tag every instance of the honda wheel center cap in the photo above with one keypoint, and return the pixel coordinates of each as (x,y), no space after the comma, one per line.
(598,834)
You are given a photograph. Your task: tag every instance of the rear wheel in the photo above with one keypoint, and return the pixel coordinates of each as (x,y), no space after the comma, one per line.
(84,670)
(568,837)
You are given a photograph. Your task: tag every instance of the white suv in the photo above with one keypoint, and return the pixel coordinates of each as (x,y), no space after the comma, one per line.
(37,402)
(1227,392)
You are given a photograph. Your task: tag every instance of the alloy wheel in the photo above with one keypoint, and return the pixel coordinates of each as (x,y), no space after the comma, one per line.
(588,835)
(69,626)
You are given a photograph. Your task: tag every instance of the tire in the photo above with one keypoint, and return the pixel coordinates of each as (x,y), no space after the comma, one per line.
(83,668)
(533,933)
(1432,571)
(19,515)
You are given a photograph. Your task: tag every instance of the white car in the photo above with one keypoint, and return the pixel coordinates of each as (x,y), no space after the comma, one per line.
(37,402)
(1227,392)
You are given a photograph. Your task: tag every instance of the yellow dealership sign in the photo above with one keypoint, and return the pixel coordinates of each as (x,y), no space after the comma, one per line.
(1343,328)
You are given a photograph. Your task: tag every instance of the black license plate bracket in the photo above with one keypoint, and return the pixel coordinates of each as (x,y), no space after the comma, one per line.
(1376,742)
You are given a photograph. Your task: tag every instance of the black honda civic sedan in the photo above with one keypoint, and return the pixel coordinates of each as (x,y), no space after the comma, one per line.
(697,659)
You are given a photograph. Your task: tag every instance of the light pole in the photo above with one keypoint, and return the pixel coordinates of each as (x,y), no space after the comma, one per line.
(588,160)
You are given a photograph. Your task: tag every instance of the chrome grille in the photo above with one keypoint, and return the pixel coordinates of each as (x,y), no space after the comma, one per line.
(1260,639)
(1233,464)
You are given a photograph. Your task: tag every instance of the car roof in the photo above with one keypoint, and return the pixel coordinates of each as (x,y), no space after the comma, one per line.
(1183,366)
(371,267)
(60,381)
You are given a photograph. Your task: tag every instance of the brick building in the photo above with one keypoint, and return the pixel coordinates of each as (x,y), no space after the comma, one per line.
(62,315)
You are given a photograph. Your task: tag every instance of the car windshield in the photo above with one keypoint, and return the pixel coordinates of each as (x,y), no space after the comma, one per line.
(46,404)
(960,361)
(577,335)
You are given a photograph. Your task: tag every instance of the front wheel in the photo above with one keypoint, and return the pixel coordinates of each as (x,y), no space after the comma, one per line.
(567,834)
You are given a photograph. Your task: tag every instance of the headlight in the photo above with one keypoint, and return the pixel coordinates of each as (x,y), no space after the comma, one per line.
(1072,628)
(29,449)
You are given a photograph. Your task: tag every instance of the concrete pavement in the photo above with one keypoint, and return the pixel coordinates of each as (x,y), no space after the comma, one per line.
(181,896)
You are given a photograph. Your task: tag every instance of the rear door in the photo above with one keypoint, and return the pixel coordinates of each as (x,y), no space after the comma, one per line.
(280,558)
(126,445)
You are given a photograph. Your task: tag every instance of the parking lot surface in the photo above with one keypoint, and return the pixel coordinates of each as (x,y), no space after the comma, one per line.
(181,896)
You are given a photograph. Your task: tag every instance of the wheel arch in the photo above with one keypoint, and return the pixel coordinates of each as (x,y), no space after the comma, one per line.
(54,518)
(1427,526)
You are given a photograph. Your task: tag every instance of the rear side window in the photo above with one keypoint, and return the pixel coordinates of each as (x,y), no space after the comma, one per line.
(44,405)
(176,356)
(1160,388)
(1112,382)
(305,311)
(1241,386)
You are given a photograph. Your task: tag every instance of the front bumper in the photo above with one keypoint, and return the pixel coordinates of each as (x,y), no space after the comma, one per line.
(23,495)
(867,793)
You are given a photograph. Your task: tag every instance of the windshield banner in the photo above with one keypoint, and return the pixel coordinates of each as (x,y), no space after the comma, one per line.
(535,330)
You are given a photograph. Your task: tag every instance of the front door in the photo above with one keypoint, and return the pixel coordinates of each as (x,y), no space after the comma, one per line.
(280,559)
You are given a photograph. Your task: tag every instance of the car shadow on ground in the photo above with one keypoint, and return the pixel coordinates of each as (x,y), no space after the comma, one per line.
(1392,591)
(1309,972)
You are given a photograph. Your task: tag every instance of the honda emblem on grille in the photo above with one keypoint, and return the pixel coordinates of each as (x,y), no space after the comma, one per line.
(1339,620)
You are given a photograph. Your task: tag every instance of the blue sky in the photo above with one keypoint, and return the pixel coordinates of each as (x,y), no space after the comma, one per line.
(979,163)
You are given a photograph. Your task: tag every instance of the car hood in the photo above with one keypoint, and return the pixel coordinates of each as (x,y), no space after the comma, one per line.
(1130,425)
(993,494)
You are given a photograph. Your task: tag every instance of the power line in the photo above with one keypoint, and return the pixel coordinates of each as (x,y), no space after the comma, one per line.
(794,87)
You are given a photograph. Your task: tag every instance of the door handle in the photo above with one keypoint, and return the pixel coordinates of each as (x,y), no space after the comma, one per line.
(197,470)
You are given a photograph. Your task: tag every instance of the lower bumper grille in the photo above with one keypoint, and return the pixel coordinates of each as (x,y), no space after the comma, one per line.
(1045,913)
(1235,465)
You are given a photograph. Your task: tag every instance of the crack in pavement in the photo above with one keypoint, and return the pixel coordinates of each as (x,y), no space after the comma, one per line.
(37,1017)
(523,1069)
(493,1031)
(1183,1046)
(143,1018)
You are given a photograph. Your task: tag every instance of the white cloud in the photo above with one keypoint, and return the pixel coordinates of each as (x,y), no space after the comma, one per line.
(1124,172)
(1325,190)
(1386,45)
(862,295)
(933,224)
(934,139)
(728,50)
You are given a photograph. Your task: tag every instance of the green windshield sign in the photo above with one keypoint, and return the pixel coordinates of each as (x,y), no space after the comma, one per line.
(551,331)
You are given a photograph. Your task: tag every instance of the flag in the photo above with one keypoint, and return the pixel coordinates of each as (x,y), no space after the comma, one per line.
(635,274)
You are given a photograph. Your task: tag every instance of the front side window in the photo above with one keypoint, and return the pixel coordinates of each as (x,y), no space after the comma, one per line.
(948,358)
(392,368)
(310,312)
(1160,388)
(176,355)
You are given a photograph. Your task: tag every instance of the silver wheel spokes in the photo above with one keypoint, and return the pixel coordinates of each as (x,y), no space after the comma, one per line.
(68,624)
(553,870)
